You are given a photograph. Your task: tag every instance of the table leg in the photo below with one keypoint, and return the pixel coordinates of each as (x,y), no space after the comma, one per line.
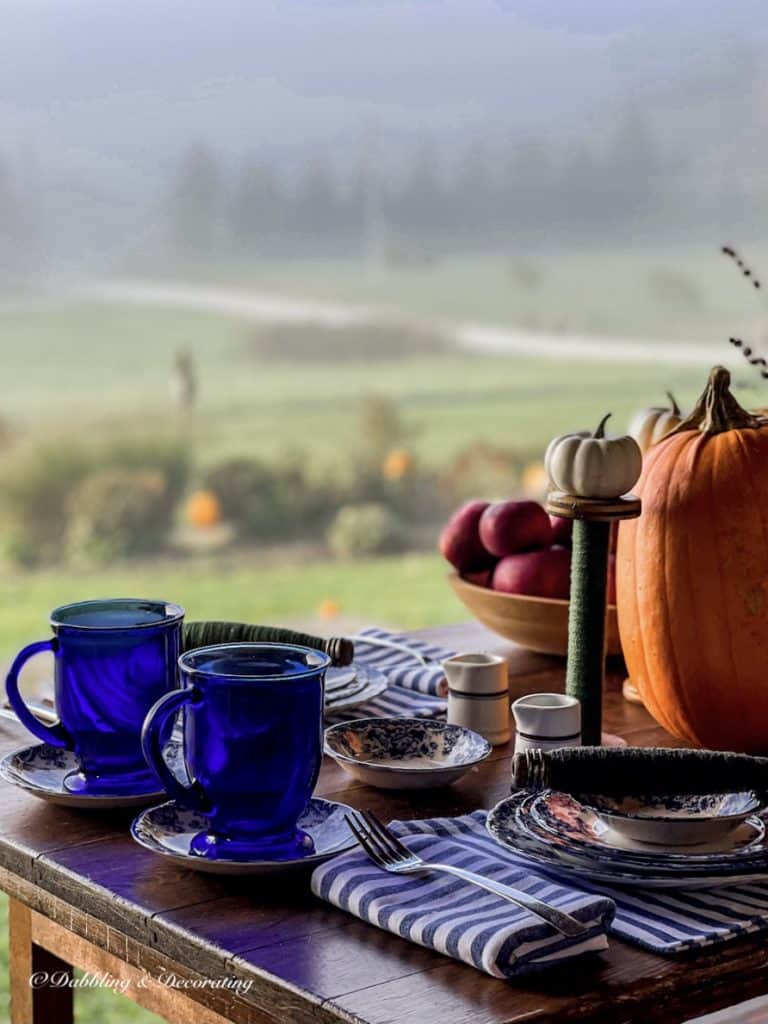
(29,1004)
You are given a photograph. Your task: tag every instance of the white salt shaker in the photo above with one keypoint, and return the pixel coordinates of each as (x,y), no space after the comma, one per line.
(546,721)
(478,694)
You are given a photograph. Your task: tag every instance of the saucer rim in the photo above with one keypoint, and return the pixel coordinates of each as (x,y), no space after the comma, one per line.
(63,797)
(223,865)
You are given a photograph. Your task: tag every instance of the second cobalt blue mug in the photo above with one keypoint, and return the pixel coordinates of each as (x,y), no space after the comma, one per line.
(253,744)
(113,660)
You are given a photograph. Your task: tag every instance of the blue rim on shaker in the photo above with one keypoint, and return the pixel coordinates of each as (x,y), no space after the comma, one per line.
(253,740)
(113,659)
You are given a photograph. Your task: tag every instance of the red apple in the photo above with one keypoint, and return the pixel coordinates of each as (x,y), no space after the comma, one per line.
(562,530)
(480,579)
(611,579)
(460,541)
(508,527)
(543,573)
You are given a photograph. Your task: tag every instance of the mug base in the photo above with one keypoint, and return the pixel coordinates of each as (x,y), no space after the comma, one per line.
(219,847)
(128,784)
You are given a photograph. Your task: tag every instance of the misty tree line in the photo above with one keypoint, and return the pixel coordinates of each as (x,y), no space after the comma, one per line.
(488,192)
(398,202)
(22,231)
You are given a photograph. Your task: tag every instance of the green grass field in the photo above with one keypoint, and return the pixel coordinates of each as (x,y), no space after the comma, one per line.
(119,382)
(404,590)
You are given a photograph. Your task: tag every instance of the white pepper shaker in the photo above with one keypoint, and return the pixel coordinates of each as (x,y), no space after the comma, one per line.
(478,694)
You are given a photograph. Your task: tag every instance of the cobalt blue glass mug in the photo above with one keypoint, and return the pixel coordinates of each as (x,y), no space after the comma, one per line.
(253,744)
(113,659)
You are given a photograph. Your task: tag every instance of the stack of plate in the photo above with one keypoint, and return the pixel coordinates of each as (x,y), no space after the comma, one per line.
(553,831)
(348,687)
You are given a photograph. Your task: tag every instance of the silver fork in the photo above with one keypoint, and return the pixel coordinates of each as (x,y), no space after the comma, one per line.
(387,852)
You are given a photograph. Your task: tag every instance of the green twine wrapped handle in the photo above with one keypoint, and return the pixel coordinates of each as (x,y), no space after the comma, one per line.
(203,634)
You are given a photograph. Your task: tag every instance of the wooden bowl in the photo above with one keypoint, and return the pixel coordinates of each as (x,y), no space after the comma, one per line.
(538,623)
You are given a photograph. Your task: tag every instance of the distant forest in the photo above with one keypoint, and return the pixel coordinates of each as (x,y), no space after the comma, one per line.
(389,205)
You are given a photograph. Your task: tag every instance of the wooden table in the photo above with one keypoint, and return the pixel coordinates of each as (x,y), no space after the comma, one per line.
(83,893)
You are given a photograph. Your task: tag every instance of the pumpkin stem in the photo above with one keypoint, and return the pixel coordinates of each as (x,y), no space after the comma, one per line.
(675,408)
(717,410)
(600,432)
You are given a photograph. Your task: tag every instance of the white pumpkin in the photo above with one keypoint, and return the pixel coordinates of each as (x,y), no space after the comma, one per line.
(593,465)
(649,425)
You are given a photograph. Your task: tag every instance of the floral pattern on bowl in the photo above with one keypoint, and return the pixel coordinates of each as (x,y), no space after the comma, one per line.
(405,753)
(564,819)
(674,820)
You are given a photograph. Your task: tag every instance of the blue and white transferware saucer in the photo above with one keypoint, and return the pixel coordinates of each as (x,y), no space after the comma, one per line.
(405,753)
(511,824)
(43,770)
(169,830)
(357,683)
(568,821)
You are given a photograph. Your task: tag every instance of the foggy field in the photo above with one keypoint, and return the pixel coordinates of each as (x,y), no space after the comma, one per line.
(250,407)
(682,290)
(70,368)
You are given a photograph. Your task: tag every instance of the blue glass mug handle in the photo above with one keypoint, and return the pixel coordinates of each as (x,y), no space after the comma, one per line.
(190,795)
(54,734)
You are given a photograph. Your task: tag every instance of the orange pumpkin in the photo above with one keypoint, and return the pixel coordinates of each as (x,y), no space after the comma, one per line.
(203,509)
(534,481)
(692,577)
(397,464)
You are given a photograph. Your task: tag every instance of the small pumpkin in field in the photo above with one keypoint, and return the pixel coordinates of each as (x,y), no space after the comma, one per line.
(328,609)
(533,481)
(692,577)
(397,464)
(203,509)
(593,465)
(649,425)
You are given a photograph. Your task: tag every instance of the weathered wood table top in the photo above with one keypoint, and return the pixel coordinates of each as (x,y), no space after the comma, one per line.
(307,961)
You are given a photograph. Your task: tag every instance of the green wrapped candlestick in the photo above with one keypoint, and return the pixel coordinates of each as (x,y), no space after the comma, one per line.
(591,474)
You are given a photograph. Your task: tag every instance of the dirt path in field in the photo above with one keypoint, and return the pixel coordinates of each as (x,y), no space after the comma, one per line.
(478,337)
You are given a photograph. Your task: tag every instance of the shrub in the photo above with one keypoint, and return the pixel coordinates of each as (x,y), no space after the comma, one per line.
(118,512)
(481,468)
(380,430)
(36,490)
(360,530)
(267,501)
(34,493)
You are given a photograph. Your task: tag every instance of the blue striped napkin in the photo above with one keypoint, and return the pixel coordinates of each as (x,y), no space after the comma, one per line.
(415,690)
(674,920)
(454,917)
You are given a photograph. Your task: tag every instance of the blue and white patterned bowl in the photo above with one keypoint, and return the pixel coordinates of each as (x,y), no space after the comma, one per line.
(405,753)
(674,820)
(561,820)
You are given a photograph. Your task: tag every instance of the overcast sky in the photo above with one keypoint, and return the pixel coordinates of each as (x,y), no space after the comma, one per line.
(128,82)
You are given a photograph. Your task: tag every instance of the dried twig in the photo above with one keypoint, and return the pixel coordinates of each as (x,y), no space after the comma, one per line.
(746,350)
(731,253)
(748,354)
